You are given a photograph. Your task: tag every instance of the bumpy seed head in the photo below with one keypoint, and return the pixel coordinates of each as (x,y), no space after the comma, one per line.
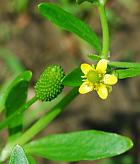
(49,85)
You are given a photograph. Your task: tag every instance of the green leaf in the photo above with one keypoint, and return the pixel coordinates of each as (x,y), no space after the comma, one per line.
(14,66)
(124,65)
(70,23)
(3,90)
(76,146)
(92,1)
(116,64)
(94,57)
(73,79)
(31,159)
(15,97)
(125,73)
(18,156)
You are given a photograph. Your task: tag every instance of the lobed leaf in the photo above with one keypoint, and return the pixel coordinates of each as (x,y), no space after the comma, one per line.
(18,156)
(76,146)
(70,23)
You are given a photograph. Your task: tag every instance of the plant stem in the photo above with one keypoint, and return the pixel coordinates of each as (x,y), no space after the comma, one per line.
(24,107)
(41,123)
(105,29)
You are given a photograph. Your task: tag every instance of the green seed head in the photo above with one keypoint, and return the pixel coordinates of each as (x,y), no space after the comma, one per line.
(93,76)
(49,85)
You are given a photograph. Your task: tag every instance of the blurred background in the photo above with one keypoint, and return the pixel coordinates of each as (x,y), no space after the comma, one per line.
(29,41)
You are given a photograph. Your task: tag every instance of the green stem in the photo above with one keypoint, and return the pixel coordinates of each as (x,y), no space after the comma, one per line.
(44,121)
(40,124)
(9,119)
(105,29)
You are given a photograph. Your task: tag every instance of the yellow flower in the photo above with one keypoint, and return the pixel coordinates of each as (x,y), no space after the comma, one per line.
(97,79)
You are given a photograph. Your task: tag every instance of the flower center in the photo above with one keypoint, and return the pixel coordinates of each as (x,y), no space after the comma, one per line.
(93,76)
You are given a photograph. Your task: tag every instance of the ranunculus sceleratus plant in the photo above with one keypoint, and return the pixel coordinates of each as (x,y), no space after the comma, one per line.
(97,77)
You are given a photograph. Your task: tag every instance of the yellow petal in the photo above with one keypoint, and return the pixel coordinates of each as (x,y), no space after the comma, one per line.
(110,79)
(102,92)
(102,66)
(86,87)
(86,68)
